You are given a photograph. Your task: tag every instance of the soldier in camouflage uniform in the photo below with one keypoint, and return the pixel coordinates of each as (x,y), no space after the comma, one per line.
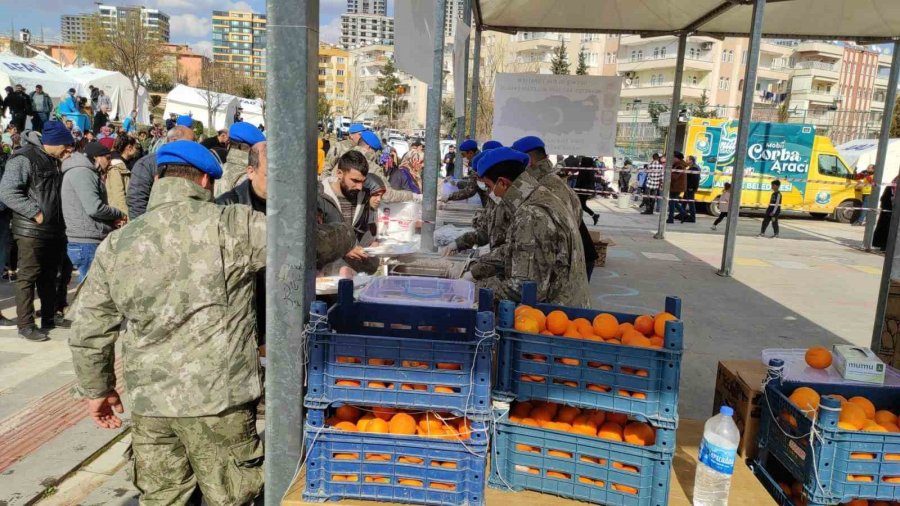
(339,148)
(243,136)
(542,241)
(182,275)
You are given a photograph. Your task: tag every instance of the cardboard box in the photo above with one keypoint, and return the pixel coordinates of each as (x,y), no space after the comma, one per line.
(857,363)
(889,350)
(739,385)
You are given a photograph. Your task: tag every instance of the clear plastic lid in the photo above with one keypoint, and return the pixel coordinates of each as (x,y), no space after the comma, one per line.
(420,291)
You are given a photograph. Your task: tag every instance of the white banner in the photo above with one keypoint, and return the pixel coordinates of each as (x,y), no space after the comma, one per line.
(414,38)
(574,115)
(460,69)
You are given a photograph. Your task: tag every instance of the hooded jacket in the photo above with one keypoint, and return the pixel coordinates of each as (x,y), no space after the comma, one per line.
(89,217)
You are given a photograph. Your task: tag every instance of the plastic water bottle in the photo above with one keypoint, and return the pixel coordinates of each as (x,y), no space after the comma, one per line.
(717,455)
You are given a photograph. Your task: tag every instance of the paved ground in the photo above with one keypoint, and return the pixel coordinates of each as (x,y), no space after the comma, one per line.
(808,287)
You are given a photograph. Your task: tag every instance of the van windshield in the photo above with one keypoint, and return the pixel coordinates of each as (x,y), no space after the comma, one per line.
(831,165)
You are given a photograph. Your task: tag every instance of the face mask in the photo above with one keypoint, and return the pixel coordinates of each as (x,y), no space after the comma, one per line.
(495,198)
(481,186)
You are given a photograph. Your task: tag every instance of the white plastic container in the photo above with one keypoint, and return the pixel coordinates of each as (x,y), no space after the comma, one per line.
(624,200)
(718,452)
(420,291)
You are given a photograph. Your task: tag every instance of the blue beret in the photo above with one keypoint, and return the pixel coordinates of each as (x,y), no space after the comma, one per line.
(356,128)
(189,153)
(526,144)
(246,133)
(491,145)
(371,139)
(475,159)
(468,145)
(499,155)
(185,121)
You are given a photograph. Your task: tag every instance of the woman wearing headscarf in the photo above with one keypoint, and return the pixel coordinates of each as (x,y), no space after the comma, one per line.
(882,228)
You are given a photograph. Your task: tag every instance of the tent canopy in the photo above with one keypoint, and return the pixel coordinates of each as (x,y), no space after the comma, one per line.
(30,72)
(861,153)
(197,102)
(117,87)
(862,20)
(252,111)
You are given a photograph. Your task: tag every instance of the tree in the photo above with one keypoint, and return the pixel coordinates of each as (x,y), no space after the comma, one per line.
(895,123)
(389,88)
(215,80)
(701,109)
(125,45)
(324,110)
(356,101)
(581,70)
(448,117)
(654,109)
(559,63)
(160,82)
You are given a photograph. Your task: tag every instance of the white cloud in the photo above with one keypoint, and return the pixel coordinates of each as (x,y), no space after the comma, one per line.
(331,32)
(241,6)
(203,47)
(190,26)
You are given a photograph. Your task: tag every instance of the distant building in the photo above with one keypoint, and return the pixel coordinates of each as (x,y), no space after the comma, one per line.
(334,70)
(239,41)
(74,27)
(366,29)
(367,7)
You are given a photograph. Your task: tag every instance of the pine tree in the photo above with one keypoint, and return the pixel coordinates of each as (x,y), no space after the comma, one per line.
(701,110)
(559,64)
(388,87)
(581,70)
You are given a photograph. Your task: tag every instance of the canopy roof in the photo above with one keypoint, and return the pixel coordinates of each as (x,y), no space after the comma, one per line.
(861,20)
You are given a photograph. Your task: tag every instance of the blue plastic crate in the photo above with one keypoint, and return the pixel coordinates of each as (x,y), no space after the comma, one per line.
(328,452)
(520,460)
(825,465)
(770,484)
(602,364)
(400,356)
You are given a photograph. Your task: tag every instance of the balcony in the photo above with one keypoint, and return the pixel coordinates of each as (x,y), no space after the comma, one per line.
(660,91)
(822,48)
(703,63)
(818,70)
(821,97)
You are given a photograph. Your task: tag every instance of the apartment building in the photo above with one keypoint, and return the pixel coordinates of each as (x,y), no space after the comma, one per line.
(334,70)
(366,29)
(74,27)
(378,7)
(367,66)
(239,41)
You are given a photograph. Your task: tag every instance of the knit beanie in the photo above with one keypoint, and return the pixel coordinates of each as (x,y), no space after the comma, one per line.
(56,134)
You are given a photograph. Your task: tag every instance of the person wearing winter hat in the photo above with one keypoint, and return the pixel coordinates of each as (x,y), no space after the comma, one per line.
(242,136)
(354,133)
(31,189)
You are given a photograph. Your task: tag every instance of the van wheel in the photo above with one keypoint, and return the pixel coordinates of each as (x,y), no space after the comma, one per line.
(844,213)
(713,208)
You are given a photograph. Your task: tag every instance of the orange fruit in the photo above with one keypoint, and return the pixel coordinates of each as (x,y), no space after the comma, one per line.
(866,404)
(606,326)
(377,479)
(638,395)
(611,431)
(527,324)
(862,456)
(842,425)
(347,426)
(582,425)
(530,421)
(885,416)
(411,460)
(348,413)
(363,421)
(558,475)
(527,449)
(593,460)
(384,413)
(624,488)
(332,421)
(431,424)
(639,433)
(344,477)
(538,316)
(597,417)
(401,423)
(891,427)
(644,324)
(378,457)
(560,426)
(346,456)
(625,467)
(559,454)
(409,483)
(567,413)
(557,322)
(891,479)
(859,477)
(380,361)
(521,409)
(568,361)
(840,398)
(640,342)
(656,342)
(347,383)
(806,399)
(659,323)
(541,414)
(349,360)
(853,416)
(572,331)
(378,384)
(585,479)
(618,418)
(443,390)
(584,326)
(874,427)
(857,502)
(818,357)
(378,426)
(598,388)
(520,309)
(630,336)
(465,429)
(442,486)
(547,333)
(623,327)
(446,366)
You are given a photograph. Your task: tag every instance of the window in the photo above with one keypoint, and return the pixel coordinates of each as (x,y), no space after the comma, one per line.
(662,52)
(340,72)
(653,80)
(724,83)
(724,56)
(693,80)
(636,82)
(640,54)
(610,57)
(744,58)
(692,53)
(655,52)
(340,59)
(831,165)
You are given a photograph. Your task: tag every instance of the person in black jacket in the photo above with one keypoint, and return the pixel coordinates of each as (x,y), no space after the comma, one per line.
(585,181)
(883,226)
(19,105)
(31,188)
(143,175)
(693,184)
(773,211)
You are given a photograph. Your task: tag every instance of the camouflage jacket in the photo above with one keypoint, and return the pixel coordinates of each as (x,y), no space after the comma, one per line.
(234,170)
(543,168)
(469,189)
(183,277)
(542,245)
(334,153)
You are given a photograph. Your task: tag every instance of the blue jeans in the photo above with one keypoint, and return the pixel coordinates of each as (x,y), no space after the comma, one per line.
(673,205)
(82,255)
(38,121)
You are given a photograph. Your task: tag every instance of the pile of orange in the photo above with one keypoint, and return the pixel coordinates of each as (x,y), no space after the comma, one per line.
(646,331)
(383,420)
(584,422)
(404,482)
(857,413)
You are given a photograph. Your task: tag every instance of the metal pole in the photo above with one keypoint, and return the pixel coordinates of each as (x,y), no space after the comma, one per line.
(740,152)
(461,121)
(433,131)
(476,84)
(293,56)
(672,136)
(891,267)
(886,117)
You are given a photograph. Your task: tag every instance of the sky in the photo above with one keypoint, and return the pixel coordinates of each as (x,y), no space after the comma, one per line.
(191,20)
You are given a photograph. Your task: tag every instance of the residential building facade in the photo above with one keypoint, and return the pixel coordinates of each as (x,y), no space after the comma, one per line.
(334,71)
(74,27)
(366,29)
(378,7)
(239,41)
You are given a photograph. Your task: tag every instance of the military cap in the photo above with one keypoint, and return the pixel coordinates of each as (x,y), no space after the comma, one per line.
(477,158)
(185,121)
(468,145)
(497,156)
(246,133)
(526,144)
(491,145)
(356,128)
(189,153)
(371,139)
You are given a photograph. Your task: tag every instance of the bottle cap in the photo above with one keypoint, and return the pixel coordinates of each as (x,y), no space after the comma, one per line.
(726,410)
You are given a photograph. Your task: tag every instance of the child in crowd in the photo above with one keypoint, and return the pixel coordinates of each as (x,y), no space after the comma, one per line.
(773,211)
(724,199)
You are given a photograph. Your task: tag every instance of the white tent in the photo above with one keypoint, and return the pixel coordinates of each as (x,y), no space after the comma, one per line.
(30,72)
(252,111)
(196,103)
(862,152)
(117,87)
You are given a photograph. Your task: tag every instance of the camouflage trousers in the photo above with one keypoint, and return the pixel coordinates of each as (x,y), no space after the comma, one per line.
(222,454)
